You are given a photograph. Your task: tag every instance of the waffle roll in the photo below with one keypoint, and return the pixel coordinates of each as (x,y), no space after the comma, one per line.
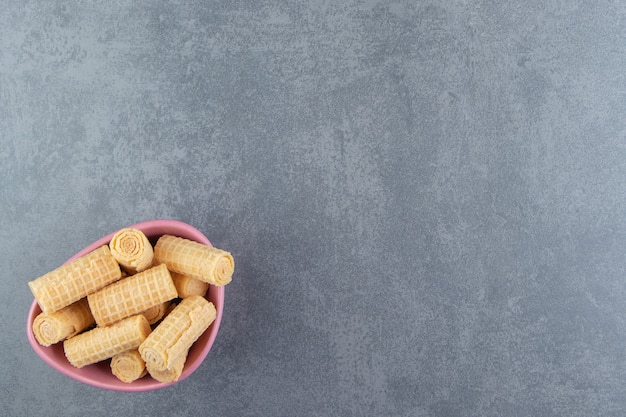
(75,280)
(156,313)
(187,286)
(186,257)
(173,337)
(170,374)
(128,366)
(51,328)
(103,343)
(132,250)
(132,295)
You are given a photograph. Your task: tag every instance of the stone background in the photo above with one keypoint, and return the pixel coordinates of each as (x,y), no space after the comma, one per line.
(425,200)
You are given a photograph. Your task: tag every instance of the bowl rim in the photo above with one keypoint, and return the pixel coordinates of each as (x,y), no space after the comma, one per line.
(150,228)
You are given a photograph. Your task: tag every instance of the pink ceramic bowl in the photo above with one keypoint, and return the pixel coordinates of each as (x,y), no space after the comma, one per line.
(99,374)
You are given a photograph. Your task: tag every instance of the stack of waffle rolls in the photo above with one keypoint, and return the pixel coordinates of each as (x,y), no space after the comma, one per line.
(148,313)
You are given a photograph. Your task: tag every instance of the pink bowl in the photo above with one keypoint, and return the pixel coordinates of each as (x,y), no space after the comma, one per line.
(99,374)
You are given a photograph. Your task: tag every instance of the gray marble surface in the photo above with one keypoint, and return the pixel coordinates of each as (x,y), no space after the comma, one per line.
(425,200)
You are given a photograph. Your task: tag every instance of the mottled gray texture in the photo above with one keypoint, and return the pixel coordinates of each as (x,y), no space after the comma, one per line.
(426,200)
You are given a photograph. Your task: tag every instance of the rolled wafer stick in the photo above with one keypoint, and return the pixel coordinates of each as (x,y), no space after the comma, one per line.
(172,306)
(132,250)
(75,280)
(51,328)
(128,366)
(184,256)
(132,295)
(102,343)
(177,332)
(187,286)
(156,313)
(171,374)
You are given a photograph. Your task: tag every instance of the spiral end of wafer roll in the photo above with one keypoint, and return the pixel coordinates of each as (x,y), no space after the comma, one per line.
(46,330)
(170,374)
(51,328)
(128,366)
(224,268)
(187,286)
(154,358)
(132,250)
(156,313)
